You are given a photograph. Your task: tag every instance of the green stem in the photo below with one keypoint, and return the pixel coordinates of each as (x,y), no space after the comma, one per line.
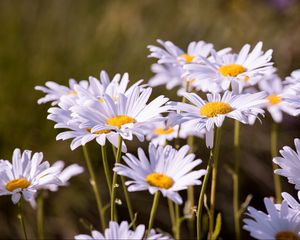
(172,215)
(106,168)
(178,222)
(191,194)
(40,216)
(21,218)
(128,202)
(202,193)
(95,188)
(114,182)
(274,150)
(127,198)
(153,211)
(214,180)
(236,176)
(114,150)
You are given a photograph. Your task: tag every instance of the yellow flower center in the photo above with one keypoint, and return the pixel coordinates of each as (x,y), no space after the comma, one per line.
(274,99)
(17,183)
(286,236)
(72,93)
(163,131)
(186,57)
(159,180)
(101,100)
(231,70)
(100,131)
(213,109)
(120,120)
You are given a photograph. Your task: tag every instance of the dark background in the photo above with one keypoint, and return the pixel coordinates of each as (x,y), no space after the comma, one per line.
(56,40)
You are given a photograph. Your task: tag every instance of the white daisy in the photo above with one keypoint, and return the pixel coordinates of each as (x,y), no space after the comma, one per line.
(232,70)
(55,91)
(171,59)
(116,231)
(290,164)
(126,116)
(62,116)
(170,53)
(94,90)
(277,93)
(292,83)
(166,170)
(25,175)
(161,132)
(210,113)
(277,224)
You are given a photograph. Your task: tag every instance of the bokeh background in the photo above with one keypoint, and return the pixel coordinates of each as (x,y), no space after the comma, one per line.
(57,40)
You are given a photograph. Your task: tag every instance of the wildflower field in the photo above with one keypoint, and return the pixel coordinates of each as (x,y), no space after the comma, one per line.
(150,119)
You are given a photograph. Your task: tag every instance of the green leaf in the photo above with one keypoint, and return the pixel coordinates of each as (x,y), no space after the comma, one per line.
(217,227)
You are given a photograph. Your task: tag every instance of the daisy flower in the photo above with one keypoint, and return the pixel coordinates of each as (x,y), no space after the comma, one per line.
(161,132)
(169,71)
(122,231)
(95,90)
(277,94)
(290,164)
(55,91)
(127,116)
(276,224)
(62,116)
(115,231)
(292,83)
(166,170)
(170,53)
(25,175)
(236,70)
(210,113)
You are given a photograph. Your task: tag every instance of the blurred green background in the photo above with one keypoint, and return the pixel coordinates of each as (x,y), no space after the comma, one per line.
(57,40)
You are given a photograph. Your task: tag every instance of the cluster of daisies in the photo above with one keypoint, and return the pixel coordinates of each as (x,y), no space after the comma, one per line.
(213,84)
